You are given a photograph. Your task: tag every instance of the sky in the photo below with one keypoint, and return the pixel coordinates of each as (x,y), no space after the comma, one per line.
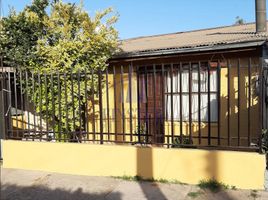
(152,17)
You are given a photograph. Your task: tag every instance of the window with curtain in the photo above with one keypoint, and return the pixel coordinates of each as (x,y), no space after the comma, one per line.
(194,97)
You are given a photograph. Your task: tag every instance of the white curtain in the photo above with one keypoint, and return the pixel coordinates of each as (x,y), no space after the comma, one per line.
(194,97)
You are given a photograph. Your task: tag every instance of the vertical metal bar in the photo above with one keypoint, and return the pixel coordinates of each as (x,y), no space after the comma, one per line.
(93,105)
(100,106)
(34,101)
(146,107)
(53,104)
(21,101)
(46,105)
(40,106)
(16,103)
(249,101)
(122,99)
(228,102)
(115,104)
(73,106)
(59,104)
(190,102)
(79,104)
(172,112)
(107,102)
(260,102)
(27,100)
(209,108)
(238,100)
(163,102)
(199,102)
(181,120)
(138,100)
(10,106)
(66,106)
(154,93)
(130,100)
(86,105)
(219,101)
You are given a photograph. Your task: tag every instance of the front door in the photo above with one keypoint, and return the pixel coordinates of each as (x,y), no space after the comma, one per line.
(151,106)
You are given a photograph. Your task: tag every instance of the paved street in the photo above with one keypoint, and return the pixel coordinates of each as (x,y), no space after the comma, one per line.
(35,185)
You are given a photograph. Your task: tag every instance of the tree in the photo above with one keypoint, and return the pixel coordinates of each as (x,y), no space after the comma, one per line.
(19,34)
(239,21)
(66,48)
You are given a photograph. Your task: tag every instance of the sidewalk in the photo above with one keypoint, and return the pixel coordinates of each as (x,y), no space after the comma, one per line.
(35,185)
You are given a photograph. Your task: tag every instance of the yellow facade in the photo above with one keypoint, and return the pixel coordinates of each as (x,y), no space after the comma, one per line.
(240,169)
(244,91)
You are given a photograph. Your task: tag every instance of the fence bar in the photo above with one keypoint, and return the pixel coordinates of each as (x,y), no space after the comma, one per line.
(107,102)
(260,102)
(16,103)
(172,112)
(199,102)
(228,102)
(33,84)
(130,100)
(73,107)
(219,100)
(238,101)
(21,100)
(59,104)
(115,104)
(181,120)
(138,98)
(93,105)
(209,108)
(40,106)
(146,93)
(66,105)
(53,103)
(86,105)
(27,100)
(100,106)
(190,102)
(154,93)
(249,101)
(163,102)
(46,104)
(10,106)
(79,104)
(122,99)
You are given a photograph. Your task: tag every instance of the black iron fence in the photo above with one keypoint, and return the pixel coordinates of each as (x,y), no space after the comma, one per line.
(200,104)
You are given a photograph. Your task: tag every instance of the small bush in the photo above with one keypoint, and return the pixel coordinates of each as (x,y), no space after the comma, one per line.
(212,185)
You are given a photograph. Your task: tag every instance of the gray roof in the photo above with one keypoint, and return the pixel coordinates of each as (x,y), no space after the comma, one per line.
(191,40)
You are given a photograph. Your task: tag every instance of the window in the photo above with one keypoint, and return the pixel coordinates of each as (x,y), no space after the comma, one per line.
(194,97)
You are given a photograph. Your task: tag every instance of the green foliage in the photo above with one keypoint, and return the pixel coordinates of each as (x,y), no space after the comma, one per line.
(178,142)
(194,195)
(19,34)
(239,21)
(212,185)
(264,141)
(65,41)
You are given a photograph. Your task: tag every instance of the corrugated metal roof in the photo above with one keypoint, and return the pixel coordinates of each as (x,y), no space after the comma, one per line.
(193,39)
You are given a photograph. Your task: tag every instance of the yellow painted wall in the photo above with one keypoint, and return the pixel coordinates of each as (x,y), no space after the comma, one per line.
(244,88)
(241,169)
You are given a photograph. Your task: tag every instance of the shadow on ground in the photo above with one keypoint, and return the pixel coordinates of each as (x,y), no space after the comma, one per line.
(14,192)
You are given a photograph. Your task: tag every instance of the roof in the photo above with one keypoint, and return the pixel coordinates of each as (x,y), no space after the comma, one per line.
(190,40)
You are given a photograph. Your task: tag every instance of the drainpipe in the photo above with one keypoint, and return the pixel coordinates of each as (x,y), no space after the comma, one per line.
(260,6)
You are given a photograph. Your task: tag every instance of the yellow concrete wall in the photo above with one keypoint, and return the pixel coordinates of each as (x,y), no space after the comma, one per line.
(244,89)
(240,169)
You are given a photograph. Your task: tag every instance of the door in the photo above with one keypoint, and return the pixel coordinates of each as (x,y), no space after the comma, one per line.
(151,106)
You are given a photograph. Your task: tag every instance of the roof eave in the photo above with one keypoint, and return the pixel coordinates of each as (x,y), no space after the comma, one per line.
(151,53)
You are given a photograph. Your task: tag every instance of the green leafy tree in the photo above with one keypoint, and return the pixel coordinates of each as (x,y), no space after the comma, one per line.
(68,47)
(19,33)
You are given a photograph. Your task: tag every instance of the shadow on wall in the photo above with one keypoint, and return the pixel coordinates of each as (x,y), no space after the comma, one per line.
(145,170)
(36,192)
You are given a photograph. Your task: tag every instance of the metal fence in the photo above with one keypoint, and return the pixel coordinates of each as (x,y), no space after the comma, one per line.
(200,104)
